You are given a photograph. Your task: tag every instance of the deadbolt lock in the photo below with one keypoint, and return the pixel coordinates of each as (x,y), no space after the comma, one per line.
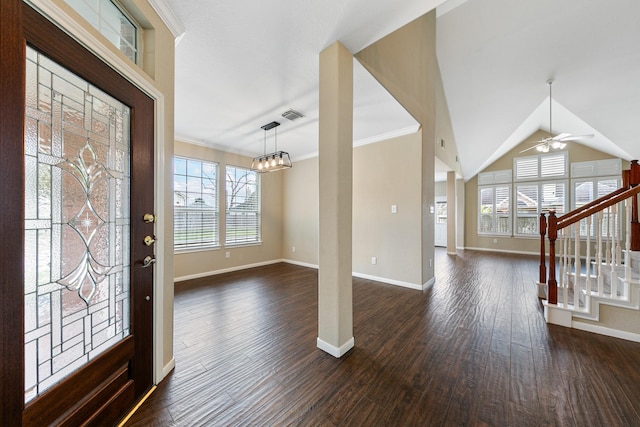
(148,240)
(149,218)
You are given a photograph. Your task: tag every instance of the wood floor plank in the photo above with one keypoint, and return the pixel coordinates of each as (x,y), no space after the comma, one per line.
(472,350)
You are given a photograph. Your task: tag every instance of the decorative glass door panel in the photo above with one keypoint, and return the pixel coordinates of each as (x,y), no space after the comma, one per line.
(77,225)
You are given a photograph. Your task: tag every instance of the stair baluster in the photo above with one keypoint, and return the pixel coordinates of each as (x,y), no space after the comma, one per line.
(576,266)
(599,243)
(587,265)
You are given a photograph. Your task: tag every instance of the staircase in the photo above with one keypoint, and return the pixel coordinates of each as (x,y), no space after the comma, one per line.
(595,251)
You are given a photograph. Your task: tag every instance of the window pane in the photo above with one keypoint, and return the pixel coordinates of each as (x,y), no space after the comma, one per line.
(195,203)
(526,167)
(553,166)
(485,224)
(242,206)
(441,212)
(503,210)
(553,197)
(112,23)
(606,186)
(583,193)
(527,209)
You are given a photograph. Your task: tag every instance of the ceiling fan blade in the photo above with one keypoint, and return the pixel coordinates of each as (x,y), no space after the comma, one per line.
(561,136)
(535,146)
(570,137)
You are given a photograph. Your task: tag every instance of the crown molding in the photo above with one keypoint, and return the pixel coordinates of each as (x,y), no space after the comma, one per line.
(169,18)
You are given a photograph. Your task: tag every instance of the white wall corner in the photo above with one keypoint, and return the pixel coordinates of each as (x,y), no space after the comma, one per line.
(169,18)
(542,289)
(394,282)
(167,369)
(335,351)
(300,263)
(557,316)
(429,283)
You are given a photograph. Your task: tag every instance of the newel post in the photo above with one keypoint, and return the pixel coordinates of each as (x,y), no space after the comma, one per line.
(552,284)
(634,179)
(543,233)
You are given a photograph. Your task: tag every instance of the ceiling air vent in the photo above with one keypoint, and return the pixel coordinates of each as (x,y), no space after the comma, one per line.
(292,115)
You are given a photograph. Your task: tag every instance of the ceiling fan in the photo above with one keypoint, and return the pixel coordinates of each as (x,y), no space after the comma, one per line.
(557,142)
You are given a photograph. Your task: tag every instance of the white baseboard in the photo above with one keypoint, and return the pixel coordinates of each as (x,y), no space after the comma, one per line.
(452,253)
(335,351)
(602,330)
(388,281)
(300,263)
(225,270)
(168,368)
(504,251)
(429,283)
(308,265)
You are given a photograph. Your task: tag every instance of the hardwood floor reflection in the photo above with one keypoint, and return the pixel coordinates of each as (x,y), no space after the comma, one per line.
(472,350)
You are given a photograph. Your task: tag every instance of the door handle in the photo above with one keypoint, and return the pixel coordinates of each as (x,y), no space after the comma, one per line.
(148,240)
(149,218)
(148,261)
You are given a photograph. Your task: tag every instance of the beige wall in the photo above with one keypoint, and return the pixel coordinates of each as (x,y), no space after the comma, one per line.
(446,148)
(201,263)
(577,153)
(300,211)
(394,239)
(405,63)
(384,174)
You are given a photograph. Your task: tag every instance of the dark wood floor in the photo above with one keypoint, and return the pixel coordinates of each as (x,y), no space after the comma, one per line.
(473,350)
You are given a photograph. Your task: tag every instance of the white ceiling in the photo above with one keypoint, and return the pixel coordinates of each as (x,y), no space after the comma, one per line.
(241,64)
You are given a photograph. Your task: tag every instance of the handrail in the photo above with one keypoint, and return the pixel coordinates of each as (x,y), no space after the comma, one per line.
(627,193)
(630,190)
(591,204)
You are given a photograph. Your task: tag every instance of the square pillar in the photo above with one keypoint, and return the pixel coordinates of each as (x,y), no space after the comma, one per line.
(335,306)
(452,210)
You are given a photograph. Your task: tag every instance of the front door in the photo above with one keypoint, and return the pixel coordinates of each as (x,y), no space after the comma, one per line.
(87,301)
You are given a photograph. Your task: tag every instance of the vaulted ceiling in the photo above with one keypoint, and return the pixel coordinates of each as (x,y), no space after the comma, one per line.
(241,64)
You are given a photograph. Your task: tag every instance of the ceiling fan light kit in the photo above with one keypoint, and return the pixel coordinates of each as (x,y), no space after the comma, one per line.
(278,160)
(557,142)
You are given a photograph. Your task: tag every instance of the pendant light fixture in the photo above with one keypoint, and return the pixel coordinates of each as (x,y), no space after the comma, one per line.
(275,161)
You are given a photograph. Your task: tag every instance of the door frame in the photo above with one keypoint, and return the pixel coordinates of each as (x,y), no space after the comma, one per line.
(11,140)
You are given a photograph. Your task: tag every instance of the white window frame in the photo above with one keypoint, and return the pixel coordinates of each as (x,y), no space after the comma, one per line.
(530,171)
(594,180)
(540,174)
(233,214)
(540,205)
(494,215)
(500,179)
(191,188)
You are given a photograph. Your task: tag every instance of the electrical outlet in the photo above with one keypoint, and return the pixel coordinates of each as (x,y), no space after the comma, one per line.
(495,240)
(430,263)
(394,208)
(374,260)
(227,254)
(293,248)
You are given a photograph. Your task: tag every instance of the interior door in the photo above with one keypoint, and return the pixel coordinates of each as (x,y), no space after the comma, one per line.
(440,234)
(84,355)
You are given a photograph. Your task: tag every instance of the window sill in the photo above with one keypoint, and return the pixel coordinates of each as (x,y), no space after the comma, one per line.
(527,236)
(242,245)
(197,249)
